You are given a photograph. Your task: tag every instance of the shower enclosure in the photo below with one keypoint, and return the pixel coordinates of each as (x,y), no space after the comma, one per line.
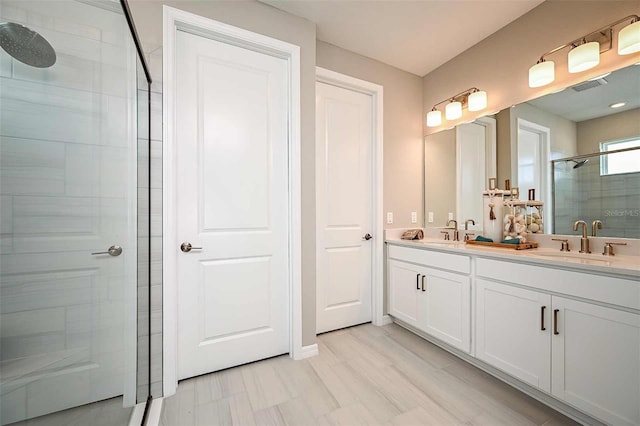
(74,214)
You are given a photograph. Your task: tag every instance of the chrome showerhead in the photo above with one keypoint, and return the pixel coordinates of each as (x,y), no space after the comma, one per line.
(579,163)
(26,45)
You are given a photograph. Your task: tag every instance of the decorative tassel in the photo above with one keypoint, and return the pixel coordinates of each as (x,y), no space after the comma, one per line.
(492,215)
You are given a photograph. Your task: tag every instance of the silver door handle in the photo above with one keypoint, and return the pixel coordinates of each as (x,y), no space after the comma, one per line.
(367,237)
(187,247)
(111,251)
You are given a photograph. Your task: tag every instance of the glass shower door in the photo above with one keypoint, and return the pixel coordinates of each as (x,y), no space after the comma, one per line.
(68,250)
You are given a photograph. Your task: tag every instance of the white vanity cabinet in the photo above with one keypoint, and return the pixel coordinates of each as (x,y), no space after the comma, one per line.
(433,300)
(571,333)
(595,360)
(404,291)
(584,354)
(513,331)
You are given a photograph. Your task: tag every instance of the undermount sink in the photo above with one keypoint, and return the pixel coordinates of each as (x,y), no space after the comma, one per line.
(576,257)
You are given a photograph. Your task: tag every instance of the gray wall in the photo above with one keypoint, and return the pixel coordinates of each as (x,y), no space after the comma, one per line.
(403,150)
(622,125)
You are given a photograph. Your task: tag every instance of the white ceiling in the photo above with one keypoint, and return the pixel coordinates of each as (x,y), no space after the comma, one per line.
(414,35)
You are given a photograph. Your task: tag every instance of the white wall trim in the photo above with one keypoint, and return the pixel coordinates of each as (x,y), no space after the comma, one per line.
(376,92)
(545,165)
(174,20)
(155,412)
(308,351)
(386,320)
(137,413)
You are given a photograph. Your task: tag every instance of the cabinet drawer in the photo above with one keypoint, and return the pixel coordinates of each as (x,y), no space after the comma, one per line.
(436,259)
(616,291)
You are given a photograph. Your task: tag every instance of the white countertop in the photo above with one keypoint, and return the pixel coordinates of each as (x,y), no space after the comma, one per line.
(628,266)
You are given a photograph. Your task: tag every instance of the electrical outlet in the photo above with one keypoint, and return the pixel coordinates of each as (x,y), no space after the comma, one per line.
(430,217)
(450,216)
(389,217)
(414,217)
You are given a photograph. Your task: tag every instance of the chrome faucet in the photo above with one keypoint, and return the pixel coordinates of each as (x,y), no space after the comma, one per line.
(456,234)
(466,223)
(584,241)
(595,226)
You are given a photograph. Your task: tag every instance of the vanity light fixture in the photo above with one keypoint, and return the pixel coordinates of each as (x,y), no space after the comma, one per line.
(584,57)
(434,118)
(474,99)
(478,100)
(453,110)
(585,51)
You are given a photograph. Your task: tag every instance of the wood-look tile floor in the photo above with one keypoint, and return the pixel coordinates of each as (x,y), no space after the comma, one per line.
(364,375)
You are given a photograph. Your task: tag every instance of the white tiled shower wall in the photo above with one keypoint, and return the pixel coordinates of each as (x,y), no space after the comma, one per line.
(583,194)
(58,128)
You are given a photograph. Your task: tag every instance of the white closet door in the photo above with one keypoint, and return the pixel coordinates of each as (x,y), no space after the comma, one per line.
(344,185)
(232,186)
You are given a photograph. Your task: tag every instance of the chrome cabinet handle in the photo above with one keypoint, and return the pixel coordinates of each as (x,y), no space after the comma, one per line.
(187,247)
(367,237)
(111,251)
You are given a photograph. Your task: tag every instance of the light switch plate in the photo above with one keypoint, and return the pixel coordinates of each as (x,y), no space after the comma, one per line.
(450,216)
(430,217)
(414,217)
(389,217)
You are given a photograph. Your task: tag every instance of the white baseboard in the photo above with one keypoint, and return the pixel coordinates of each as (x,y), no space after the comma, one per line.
(386,319)
(155,411)
(308,351)
(136,414)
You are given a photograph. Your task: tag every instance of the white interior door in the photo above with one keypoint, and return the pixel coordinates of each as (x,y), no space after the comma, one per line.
(472,172)
(529,161)
(232,201)
(344,120)
(476,163)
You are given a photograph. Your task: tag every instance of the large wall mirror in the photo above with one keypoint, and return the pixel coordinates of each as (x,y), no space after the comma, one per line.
(559,145)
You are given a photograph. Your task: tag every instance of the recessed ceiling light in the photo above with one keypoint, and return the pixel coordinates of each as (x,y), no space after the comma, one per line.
(599,77)
(617,105)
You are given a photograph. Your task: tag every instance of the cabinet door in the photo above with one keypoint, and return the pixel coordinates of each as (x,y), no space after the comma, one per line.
(513,331)
(447,308)
(596,360)
(404,291)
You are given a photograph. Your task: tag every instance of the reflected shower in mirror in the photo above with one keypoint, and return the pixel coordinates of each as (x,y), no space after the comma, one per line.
(603,187)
